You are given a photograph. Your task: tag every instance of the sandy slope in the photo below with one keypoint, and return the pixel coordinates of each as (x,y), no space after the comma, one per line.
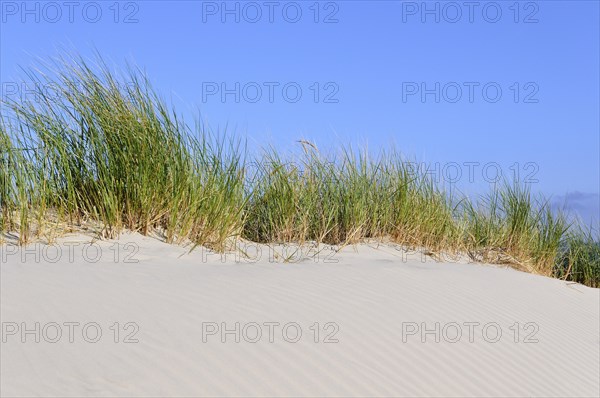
(369,301)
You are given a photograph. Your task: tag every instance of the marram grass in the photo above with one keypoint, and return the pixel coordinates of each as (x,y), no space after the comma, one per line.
(98,153)
(115,154)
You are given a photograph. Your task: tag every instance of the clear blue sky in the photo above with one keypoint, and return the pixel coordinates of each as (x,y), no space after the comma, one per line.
(362,67)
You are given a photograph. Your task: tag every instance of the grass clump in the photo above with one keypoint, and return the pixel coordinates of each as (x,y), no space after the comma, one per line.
(345,199)
(579,258)
(509,226)
(17,179)
(116,154)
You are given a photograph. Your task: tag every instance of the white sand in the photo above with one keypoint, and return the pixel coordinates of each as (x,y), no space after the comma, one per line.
(370,294)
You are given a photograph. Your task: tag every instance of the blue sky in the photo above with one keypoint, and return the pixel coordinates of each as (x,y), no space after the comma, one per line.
(475,88)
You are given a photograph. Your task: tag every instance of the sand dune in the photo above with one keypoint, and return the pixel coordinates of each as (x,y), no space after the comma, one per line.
(361,314)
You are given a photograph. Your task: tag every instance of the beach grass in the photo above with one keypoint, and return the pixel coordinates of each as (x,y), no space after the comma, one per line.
(116,154)
(579,258)
(509,225)
(346,199)
(104,151)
